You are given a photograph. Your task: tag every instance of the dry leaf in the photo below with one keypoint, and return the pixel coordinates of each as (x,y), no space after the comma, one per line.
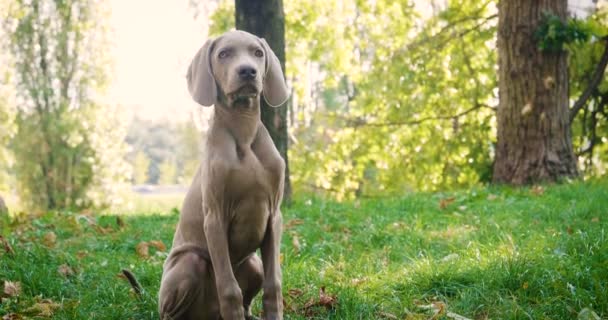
(456,316)
(326,300)
(444,203)
(44,308)
(295,243)
(142,249)
(595,219)
(12,316)
(292,223)
(159,245)
(81,254)
(12,289)
(295,292)
(587,314)
(50,239)
(65,270)
(525,286)
(387,315)
(7,246)
(492,197)
(537,190)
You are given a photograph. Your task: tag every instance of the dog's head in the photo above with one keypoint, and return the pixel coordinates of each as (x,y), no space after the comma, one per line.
(236,67)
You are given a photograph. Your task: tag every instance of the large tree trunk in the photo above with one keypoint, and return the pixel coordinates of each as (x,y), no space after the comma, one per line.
(534,141)
(265,19)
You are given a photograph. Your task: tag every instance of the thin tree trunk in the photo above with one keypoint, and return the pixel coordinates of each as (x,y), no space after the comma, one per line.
(265,19)
(534,141)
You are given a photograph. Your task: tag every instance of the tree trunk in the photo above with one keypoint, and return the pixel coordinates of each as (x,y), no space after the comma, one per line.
(534,141)
(265,19)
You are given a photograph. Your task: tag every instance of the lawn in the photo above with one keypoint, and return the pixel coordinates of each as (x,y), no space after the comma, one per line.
(487,253)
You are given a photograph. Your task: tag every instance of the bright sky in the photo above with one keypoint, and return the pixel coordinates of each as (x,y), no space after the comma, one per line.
(154,41)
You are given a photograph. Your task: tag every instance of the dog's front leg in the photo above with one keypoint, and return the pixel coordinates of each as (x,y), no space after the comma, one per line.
(228,290)
(272,297)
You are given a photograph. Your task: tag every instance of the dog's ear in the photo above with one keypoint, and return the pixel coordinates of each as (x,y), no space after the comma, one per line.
(201,82)
(275,89)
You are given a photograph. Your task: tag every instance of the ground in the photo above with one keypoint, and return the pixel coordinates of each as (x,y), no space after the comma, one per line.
(488,253)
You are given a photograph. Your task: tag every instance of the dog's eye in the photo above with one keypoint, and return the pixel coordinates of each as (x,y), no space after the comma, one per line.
(223,54)
(259,53)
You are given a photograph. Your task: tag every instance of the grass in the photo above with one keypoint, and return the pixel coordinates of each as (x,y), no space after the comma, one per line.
(491,253)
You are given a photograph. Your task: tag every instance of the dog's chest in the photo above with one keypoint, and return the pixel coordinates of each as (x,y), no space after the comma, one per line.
(251,204)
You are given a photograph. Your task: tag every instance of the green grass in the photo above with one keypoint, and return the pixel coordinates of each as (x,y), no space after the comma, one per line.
(492,253)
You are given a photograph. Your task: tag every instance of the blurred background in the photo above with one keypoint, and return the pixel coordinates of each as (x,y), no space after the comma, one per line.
(388,97)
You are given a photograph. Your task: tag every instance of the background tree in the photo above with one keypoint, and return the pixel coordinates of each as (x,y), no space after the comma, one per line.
(66,144)
(141,165)
(168,172)
(265,18)
(534,142)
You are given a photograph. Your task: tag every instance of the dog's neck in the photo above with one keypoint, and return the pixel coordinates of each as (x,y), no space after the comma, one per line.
(241,120)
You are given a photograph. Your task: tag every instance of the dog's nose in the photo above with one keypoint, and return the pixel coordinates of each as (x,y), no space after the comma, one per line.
(247,73)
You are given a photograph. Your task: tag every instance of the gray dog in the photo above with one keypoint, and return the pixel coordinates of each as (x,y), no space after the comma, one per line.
(233,205)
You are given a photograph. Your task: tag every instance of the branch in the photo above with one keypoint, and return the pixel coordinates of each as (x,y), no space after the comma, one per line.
(597,77)
(360,123)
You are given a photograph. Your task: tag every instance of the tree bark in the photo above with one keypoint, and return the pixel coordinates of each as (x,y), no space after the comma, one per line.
(265,19)
(534,140)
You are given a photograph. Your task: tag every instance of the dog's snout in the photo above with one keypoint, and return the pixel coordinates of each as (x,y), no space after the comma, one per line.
(247,72)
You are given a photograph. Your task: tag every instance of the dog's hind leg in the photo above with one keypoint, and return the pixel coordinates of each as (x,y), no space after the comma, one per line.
(182,290)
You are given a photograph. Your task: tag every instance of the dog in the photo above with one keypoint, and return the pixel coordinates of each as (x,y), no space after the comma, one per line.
(232,207)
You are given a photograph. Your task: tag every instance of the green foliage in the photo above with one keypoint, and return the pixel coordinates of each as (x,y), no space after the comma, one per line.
(490,253)
(590,126)
(384,100)
(66,145)
(553,33)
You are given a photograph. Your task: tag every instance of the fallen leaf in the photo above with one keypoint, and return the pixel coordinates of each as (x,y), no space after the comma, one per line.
(12,316)
(450,257)
(444,203)
(587,314)
(358,281)
(456,316)
(492,197)
(292,223)
(44,308)
(159,245)
(295,242)
(295,292)
(7,246)
(12,289)
(387,315)
(595,219)
(65,270)
(81,254)
(569,230)
(537,190)
(50,239)
(525,285)
(142,249)
(325,299)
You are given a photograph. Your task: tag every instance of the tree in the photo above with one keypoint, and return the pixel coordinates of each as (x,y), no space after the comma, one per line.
(533,139)
(265,18)
(141,164)
(168,172)
(67,146)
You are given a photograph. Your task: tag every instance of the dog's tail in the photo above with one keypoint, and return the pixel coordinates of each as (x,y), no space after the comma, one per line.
(132,281)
